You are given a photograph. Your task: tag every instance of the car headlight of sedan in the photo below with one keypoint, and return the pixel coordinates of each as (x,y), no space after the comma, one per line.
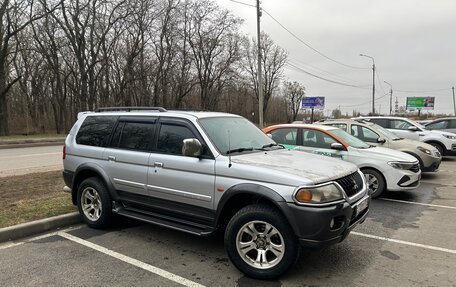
(450,137)
(401,165)
(425,150)
(319,194)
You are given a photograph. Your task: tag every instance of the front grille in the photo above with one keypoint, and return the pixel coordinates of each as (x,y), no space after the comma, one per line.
(351,184)
(415,168)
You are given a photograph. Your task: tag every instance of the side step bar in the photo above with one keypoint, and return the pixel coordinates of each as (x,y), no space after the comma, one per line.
(165,221)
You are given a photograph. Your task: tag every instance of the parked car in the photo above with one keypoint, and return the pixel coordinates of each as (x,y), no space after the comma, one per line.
(384,169)
(444,142)
(199,172)
(427,155)
(443,124)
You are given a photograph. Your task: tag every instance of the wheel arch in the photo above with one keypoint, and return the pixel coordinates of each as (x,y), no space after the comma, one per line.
(241,195)
(85,171)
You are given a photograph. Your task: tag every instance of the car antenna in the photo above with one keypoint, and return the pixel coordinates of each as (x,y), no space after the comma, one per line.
(229,149)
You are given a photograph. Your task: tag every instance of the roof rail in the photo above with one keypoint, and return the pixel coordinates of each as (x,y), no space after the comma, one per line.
(129,109)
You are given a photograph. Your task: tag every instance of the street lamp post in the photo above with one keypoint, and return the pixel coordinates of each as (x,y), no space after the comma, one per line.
(373,82)
(391,97)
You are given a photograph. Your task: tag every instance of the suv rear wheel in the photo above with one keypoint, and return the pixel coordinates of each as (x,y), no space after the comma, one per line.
(260,242)
(94,203)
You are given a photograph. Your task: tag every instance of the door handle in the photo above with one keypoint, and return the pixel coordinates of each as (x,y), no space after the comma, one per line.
(158,164)
(111,158)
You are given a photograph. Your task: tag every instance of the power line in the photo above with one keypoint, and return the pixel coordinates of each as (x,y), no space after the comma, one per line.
(325,79)
(307,45)
(363,104)
(242,3)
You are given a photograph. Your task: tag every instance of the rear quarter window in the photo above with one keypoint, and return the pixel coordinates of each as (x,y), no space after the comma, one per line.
(95,130)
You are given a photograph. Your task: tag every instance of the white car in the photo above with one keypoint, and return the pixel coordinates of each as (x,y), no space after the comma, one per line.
(384,168)
(444,142)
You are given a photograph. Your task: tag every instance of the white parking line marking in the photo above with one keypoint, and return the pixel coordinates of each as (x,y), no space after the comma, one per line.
(132,261)
(406,242)
(419,203)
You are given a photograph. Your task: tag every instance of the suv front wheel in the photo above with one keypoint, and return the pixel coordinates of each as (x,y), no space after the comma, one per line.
(260,242)
(94,203)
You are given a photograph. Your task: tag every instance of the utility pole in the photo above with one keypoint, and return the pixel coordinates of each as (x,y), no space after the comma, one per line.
(391,97)
(454,103)
(373,82)
(260,75)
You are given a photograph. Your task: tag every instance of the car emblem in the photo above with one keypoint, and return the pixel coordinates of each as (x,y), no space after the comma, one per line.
(355,185)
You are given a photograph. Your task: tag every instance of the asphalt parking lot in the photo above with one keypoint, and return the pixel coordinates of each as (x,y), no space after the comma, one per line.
(407,240)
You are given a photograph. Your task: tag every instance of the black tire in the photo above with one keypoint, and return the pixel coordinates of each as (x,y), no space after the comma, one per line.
(379,182)
(93,186)
(439,147)
(282,235)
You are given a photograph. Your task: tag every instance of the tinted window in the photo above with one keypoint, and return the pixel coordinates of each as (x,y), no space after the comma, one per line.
(285,136)
(381,122)
(437,125)
(95,130)
(400,125)
(318,139)
(364,133)
(171,138)
(453,124)
(134,136)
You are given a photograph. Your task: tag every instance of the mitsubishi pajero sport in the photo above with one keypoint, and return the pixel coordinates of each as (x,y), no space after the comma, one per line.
(199,172)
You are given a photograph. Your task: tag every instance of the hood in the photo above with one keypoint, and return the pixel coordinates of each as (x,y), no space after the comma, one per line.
(389,154)
(309,167)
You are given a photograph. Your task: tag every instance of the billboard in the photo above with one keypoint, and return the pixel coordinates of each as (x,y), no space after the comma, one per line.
(420,103)
(313,103)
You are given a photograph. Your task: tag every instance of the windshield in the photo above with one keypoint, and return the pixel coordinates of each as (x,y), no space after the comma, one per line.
(384,132)
(235,134)
(349,139)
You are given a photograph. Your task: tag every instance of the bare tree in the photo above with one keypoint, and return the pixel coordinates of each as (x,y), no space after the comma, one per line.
(215,46)
(294,92)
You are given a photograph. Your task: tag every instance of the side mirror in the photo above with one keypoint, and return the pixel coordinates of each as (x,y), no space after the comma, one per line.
(337,146)
(381,140)
(413,129)
(191,147)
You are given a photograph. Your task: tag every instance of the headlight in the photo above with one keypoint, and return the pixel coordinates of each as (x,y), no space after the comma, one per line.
(320,194)
(401,165)
(425,150)
(450,137)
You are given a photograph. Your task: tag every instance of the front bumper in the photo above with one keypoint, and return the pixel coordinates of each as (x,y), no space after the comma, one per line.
(397,179)
(317,227)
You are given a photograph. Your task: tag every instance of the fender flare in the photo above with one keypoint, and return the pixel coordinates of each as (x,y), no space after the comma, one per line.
(95,168)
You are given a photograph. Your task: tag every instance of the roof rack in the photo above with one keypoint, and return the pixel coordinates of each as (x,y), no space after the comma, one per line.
(129,109)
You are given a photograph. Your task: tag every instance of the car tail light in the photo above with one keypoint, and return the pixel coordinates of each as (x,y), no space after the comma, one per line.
(64,152)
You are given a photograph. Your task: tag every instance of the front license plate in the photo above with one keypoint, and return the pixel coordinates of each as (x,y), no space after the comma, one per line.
(362,206)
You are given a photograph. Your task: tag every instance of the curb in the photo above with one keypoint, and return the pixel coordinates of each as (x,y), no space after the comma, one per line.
(38,226)
(32,144)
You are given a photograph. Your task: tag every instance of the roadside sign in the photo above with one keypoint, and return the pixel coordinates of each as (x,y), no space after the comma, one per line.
(313,103)
(420,103)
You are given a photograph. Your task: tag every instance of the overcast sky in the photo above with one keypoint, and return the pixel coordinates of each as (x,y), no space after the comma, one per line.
(413,43)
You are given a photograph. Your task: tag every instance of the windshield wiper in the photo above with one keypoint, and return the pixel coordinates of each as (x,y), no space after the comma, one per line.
(239,150)
(271,145)
(397,139)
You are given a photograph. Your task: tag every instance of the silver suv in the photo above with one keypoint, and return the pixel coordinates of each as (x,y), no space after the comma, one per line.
(200,172)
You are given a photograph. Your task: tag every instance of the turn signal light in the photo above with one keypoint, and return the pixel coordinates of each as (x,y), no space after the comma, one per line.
(304,195)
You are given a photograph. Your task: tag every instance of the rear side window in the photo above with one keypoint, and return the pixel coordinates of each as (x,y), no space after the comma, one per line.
(134,136)
(285,136)
(400,125)
(95,130)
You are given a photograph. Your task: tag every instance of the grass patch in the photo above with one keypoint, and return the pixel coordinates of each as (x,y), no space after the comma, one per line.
(33,196)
